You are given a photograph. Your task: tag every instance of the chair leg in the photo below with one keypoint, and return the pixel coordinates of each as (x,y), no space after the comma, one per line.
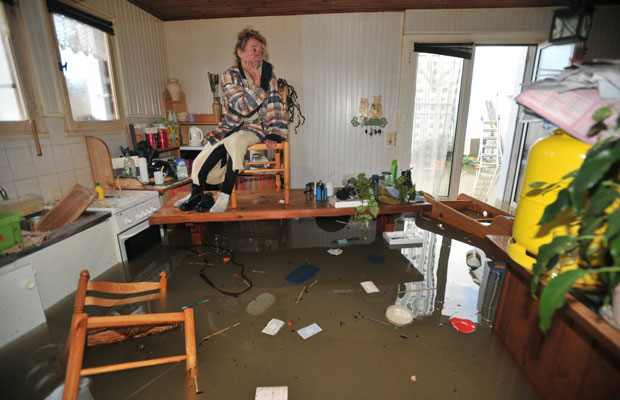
(76,355)
(233,197)
(278,166)
(287,173)
(190,341)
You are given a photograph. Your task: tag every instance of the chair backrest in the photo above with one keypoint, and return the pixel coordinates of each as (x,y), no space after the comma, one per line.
(86,292)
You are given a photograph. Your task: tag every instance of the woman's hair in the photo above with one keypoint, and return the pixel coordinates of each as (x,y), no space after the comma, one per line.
(244,36)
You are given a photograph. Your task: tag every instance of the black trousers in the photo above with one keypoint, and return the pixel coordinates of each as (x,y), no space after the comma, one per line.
(219,154)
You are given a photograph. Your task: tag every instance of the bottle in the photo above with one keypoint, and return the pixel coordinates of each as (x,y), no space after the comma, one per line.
(99,191)
(129,168)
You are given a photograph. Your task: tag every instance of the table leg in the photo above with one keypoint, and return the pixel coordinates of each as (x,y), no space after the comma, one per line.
(199,233)
(385,223)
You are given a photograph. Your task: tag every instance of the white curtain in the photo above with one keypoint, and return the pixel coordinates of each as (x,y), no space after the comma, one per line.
(80,38)
(437,90)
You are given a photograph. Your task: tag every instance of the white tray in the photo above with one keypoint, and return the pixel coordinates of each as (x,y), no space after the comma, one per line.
(396,238)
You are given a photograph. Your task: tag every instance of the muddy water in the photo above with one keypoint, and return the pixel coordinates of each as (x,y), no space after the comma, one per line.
(351,358)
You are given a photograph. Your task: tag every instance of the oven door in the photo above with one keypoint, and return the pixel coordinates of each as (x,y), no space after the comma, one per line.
(137,240)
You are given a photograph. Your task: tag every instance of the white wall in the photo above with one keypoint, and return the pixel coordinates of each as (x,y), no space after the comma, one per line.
(143,72)
(332,60)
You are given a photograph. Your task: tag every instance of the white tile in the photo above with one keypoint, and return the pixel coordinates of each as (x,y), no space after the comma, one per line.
(76,139)
(84,177)
(16,144)
(11,189)
(56,128)
(22,164)
(45,164)
(66,180)
(1,145)
(5,168)
(42,142)
(62,158)
(27,186)
(50,188)
(79,155)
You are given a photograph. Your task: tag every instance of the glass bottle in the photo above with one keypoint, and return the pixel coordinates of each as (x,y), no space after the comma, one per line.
(129,167)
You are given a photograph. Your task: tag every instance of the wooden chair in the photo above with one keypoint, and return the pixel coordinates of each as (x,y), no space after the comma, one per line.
(139,325)
(279,167)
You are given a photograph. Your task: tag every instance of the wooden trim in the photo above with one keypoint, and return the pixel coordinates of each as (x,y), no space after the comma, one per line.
(122,288)
(131,365)
(101,302)
(120,321)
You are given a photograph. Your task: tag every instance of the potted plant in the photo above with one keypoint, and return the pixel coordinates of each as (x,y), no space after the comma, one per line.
(293,108)
(593,198)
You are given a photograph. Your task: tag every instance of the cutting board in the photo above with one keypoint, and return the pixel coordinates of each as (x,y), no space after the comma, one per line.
(100,162)
(67,210)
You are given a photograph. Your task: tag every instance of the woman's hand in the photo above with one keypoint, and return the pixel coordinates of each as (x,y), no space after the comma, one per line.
(251,69)
(271,144)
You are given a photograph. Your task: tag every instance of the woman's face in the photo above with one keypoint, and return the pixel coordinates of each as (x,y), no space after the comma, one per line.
(253,52)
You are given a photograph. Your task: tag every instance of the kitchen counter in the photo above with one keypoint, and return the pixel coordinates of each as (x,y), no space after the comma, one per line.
(87,220)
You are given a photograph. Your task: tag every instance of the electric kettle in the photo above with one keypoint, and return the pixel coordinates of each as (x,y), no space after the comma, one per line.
(195,136)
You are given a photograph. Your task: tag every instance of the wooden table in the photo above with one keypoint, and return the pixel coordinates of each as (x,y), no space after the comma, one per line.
(166,191)
(578,358)
(260,205)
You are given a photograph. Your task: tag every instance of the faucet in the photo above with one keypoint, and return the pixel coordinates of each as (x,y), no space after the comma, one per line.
(3,193)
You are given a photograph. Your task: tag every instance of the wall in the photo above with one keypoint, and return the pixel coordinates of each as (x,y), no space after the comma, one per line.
(139,41)
(331,60)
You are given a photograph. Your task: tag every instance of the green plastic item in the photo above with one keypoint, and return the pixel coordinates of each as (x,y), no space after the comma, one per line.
(394,170)
(10,231)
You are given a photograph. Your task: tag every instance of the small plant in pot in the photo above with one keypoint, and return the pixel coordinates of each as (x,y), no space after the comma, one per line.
(593,198)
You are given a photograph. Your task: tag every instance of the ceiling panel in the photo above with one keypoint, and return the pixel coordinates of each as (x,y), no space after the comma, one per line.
(174,10)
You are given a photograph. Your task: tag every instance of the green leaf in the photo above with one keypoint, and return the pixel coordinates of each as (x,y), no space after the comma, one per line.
(553,296)
(548,255)
(571,174)
(602,113)
(552,210)
(374,209)
(599,160)
(613,226)
(614,249)
(600,200)
(536,185)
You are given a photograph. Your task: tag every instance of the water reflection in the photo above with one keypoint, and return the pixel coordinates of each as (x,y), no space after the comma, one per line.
(449,287)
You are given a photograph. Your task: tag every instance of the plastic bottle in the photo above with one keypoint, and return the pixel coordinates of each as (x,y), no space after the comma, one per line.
(99,191)
(129,167)
(393,170)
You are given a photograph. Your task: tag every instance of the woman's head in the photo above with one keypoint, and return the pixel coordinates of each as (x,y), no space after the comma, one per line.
(250,46)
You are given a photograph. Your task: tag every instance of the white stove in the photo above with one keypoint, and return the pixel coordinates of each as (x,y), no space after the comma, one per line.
(128,207)
(131,210)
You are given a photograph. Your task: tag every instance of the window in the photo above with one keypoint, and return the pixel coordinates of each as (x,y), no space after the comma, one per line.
(16,112)
(85,59)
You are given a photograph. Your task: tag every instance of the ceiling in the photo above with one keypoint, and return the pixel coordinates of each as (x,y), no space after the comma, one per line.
(174,10)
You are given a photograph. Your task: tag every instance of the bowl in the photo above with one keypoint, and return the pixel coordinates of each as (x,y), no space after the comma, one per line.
(398,315)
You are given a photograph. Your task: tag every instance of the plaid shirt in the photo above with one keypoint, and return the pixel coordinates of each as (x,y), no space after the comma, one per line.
(240,98)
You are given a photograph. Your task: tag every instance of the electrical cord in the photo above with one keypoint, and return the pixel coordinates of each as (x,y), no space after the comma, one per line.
(246,280)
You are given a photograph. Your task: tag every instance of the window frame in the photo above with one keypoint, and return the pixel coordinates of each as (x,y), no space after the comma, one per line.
(18,46)
(82,128)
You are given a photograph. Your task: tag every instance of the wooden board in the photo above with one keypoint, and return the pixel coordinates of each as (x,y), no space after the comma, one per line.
(100,162)
(260,205)
(67,210)
(470,215)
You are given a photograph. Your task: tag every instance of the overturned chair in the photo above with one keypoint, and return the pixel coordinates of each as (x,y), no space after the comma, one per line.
(279,168)
(128,326)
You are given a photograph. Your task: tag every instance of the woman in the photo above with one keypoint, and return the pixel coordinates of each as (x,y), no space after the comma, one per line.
(252,112)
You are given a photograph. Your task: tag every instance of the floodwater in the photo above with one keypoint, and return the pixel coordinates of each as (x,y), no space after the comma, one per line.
(353,357)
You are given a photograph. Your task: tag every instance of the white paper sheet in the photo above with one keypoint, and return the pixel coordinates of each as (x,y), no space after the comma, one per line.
(369,287)
(309,330)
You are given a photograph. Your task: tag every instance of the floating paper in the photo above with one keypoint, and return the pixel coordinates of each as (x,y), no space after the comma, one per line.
(369,287)
(271,393)
(309,330)
(335,252)
(273,326)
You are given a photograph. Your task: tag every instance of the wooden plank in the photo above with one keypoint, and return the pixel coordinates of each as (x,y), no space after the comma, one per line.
(119,321)
(601,377)
(101,302)
(122,288)
(67,210)
(260,205)
(131,365)
(100,162)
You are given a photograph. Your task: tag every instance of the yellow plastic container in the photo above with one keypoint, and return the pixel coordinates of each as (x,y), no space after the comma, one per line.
(550,159)
(99,191)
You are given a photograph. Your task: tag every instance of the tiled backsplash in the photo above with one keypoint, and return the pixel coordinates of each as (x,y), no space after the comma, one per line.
(63,164)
